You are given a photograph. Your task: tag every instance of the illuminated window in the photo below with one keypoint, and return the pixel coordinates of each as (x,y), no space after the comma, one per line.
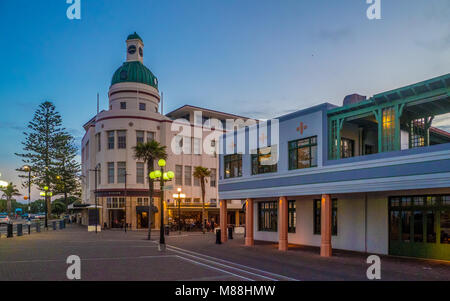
(388,129)
(265,161)
(232,166)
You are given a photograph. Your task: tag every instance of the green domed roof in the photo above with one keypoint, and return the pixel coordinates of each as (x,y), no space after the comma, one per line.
(134,36)
(134,72)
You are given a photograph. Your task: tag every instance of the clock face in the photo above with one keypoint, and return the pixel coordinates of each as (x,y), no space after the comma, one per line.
(132,49)
(141,52)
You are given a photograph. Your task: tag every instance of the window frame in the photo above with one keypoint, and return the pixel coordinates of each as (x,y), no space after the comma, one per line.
(111,173)
(293,152)
(121,144)
(262,169)
(230,159)
(317,217)
(271,208)
(292,216)
(111,140)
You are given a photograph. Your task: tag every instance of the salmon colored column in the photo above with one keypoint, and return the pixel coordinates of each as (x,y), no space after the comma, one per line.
(325,246)
(249,240)
(283,228)
(223,220)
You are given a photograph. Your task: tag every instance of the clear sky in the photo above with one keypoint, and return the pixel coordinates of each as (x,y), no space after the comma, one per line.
(260,58)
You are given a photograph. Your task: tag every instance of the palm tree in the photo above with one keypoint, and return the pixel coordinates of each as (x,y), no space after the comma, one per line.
(202,173)
(149,152)
(9,191)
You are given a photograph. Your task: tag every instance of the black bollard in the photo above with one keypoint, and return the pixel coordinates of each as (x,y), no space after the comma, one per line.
(218,237)
(9,231)
(230,233)
(19,230)
(29,229)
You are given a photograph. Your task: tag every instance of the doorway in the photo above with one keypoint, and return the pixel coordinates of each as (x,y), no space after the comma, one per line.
(116,218)
(142,217)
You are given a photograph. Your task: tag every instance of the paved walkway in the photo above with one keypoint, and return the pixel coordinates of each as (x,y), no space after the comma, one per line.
(116,255)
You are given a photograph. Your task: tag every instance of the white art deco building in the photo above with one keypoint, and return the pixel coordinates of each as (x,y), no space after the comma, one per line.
(134,116)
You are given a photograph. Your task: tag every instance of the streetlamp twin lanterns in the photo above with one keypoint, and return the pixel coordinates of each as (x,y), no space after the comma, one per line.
(162,177)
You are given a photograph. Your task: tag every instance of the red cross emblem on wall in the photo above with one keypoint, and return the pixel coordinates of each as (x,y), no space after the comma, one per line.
(302,128)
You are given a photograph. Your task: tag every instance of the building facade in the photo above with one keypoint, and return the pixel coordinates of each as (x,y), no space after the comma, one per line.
(371,176)
(110,170)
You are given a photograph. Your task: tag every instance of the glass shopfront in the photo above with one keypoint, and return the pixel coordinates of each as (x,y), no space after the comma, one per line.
(419,226)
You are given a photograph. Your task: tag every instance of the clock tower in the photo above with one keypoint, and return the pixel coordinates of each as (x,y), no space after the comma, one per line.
(135,48)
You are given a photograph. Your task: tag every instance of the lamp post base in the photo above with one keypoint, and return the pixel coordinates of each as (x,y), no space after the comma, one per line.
(161,247)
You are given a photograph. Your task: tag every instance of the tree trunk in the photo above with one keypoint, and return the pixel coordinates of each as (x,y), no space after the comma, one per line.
(203,205)
(8,205)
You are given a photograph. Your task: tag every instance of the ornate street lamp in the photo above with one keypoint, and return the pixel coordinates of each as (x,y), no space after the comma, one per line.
(46,194)
(162,177)
(179,196)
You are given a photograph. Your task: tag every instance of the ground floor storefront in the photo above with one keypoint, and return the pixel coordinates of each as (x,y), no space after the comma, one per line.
(188,218)
(133,212)
(414,223)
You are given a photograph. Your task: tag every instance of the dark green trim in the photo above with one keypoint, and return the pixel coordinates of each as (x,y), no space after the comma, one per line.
(422,249)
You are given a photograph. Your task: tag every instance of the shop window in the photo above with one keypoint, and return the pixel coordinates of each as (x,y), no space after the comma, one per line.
(394,225)
(431,227)
(445,226)
(317,211)
(418,226)
(406,226)
(268,216)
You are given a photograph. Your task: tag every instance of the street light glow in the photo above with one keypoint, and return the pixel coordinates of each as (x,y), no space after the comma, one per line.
(162,163)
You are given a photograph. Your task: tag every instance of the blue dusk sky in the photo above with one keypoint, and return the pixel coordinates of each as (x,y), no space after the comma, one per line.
(259,58)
